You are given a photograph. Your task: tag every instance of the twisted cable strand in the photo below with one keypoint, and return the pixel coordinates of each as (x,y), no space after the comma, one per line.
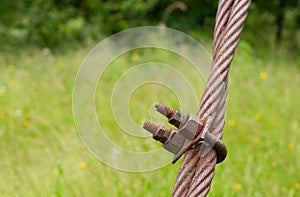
(187,167)
(222,13)
(196,173)
(201,181)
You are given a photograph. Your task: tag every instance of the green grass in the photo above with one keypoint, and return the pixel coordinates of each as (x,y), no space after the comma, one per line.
(42,155)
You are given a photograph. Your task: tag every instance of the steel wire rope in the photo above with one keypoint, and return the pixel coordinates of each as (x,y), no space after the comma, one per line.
(196,173)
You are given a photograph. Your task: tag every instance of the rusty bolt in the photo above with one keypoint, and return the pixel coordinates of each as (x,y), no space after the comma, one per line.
(164,110)
(159,133)
(189,126)
(175,117)
(171,140)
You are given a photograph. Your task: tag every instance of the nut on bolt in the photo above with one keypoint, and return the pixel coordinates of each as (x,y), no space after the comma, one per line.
(170,139)
(159,133)
(189,134)
(178,119)
(189,125)
(175,117)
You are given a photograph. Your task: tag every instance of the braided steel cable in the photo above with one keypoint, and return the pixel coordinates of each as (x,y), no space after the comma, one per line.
(196,173)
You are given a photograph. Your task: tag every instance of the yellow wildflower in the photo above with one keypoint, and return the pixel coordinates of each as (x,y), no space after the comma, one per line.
(291,146)
(60,63)
(256,140)
(263,75)
(258,116)
(238,186)
(10,68)
(83,165)
(27,123)
(231,123)
(134,56)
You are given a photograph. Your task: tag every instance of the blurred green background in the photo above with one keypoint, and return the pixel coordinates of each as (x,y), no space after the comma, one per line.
(55,23)
(43,43)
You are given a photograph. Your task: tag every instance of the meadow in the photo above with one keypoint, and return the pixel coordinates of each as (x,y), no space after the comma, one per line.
(42,154)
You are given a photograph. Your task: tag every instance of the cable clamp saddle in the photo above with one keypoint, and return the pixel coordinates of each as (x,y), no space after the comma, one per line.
(191,132)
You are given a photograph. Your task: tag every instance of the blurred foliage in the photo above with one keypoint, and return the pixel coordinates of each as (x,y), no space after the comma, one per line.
(275,22)
(55,23)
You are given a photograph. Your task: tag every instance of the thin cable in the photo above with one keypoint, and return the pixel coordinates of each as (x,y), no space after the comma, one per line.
(196,173)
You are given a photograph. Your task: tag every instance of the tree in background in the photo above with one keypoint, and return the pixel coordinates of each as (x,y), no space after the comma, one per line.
(279,10)
(54,23)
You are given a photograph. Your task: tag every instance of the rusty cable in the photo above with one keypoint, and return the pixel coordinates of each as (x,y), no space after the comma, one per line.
(196,173)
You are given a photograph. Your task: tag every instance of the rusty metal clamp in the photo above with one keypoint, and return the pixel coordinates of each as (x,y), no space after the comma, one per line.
(189,135)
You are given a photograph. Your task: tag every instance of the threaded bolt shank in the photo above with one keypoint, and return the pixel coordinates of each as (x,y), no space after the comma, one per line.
(164,110)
